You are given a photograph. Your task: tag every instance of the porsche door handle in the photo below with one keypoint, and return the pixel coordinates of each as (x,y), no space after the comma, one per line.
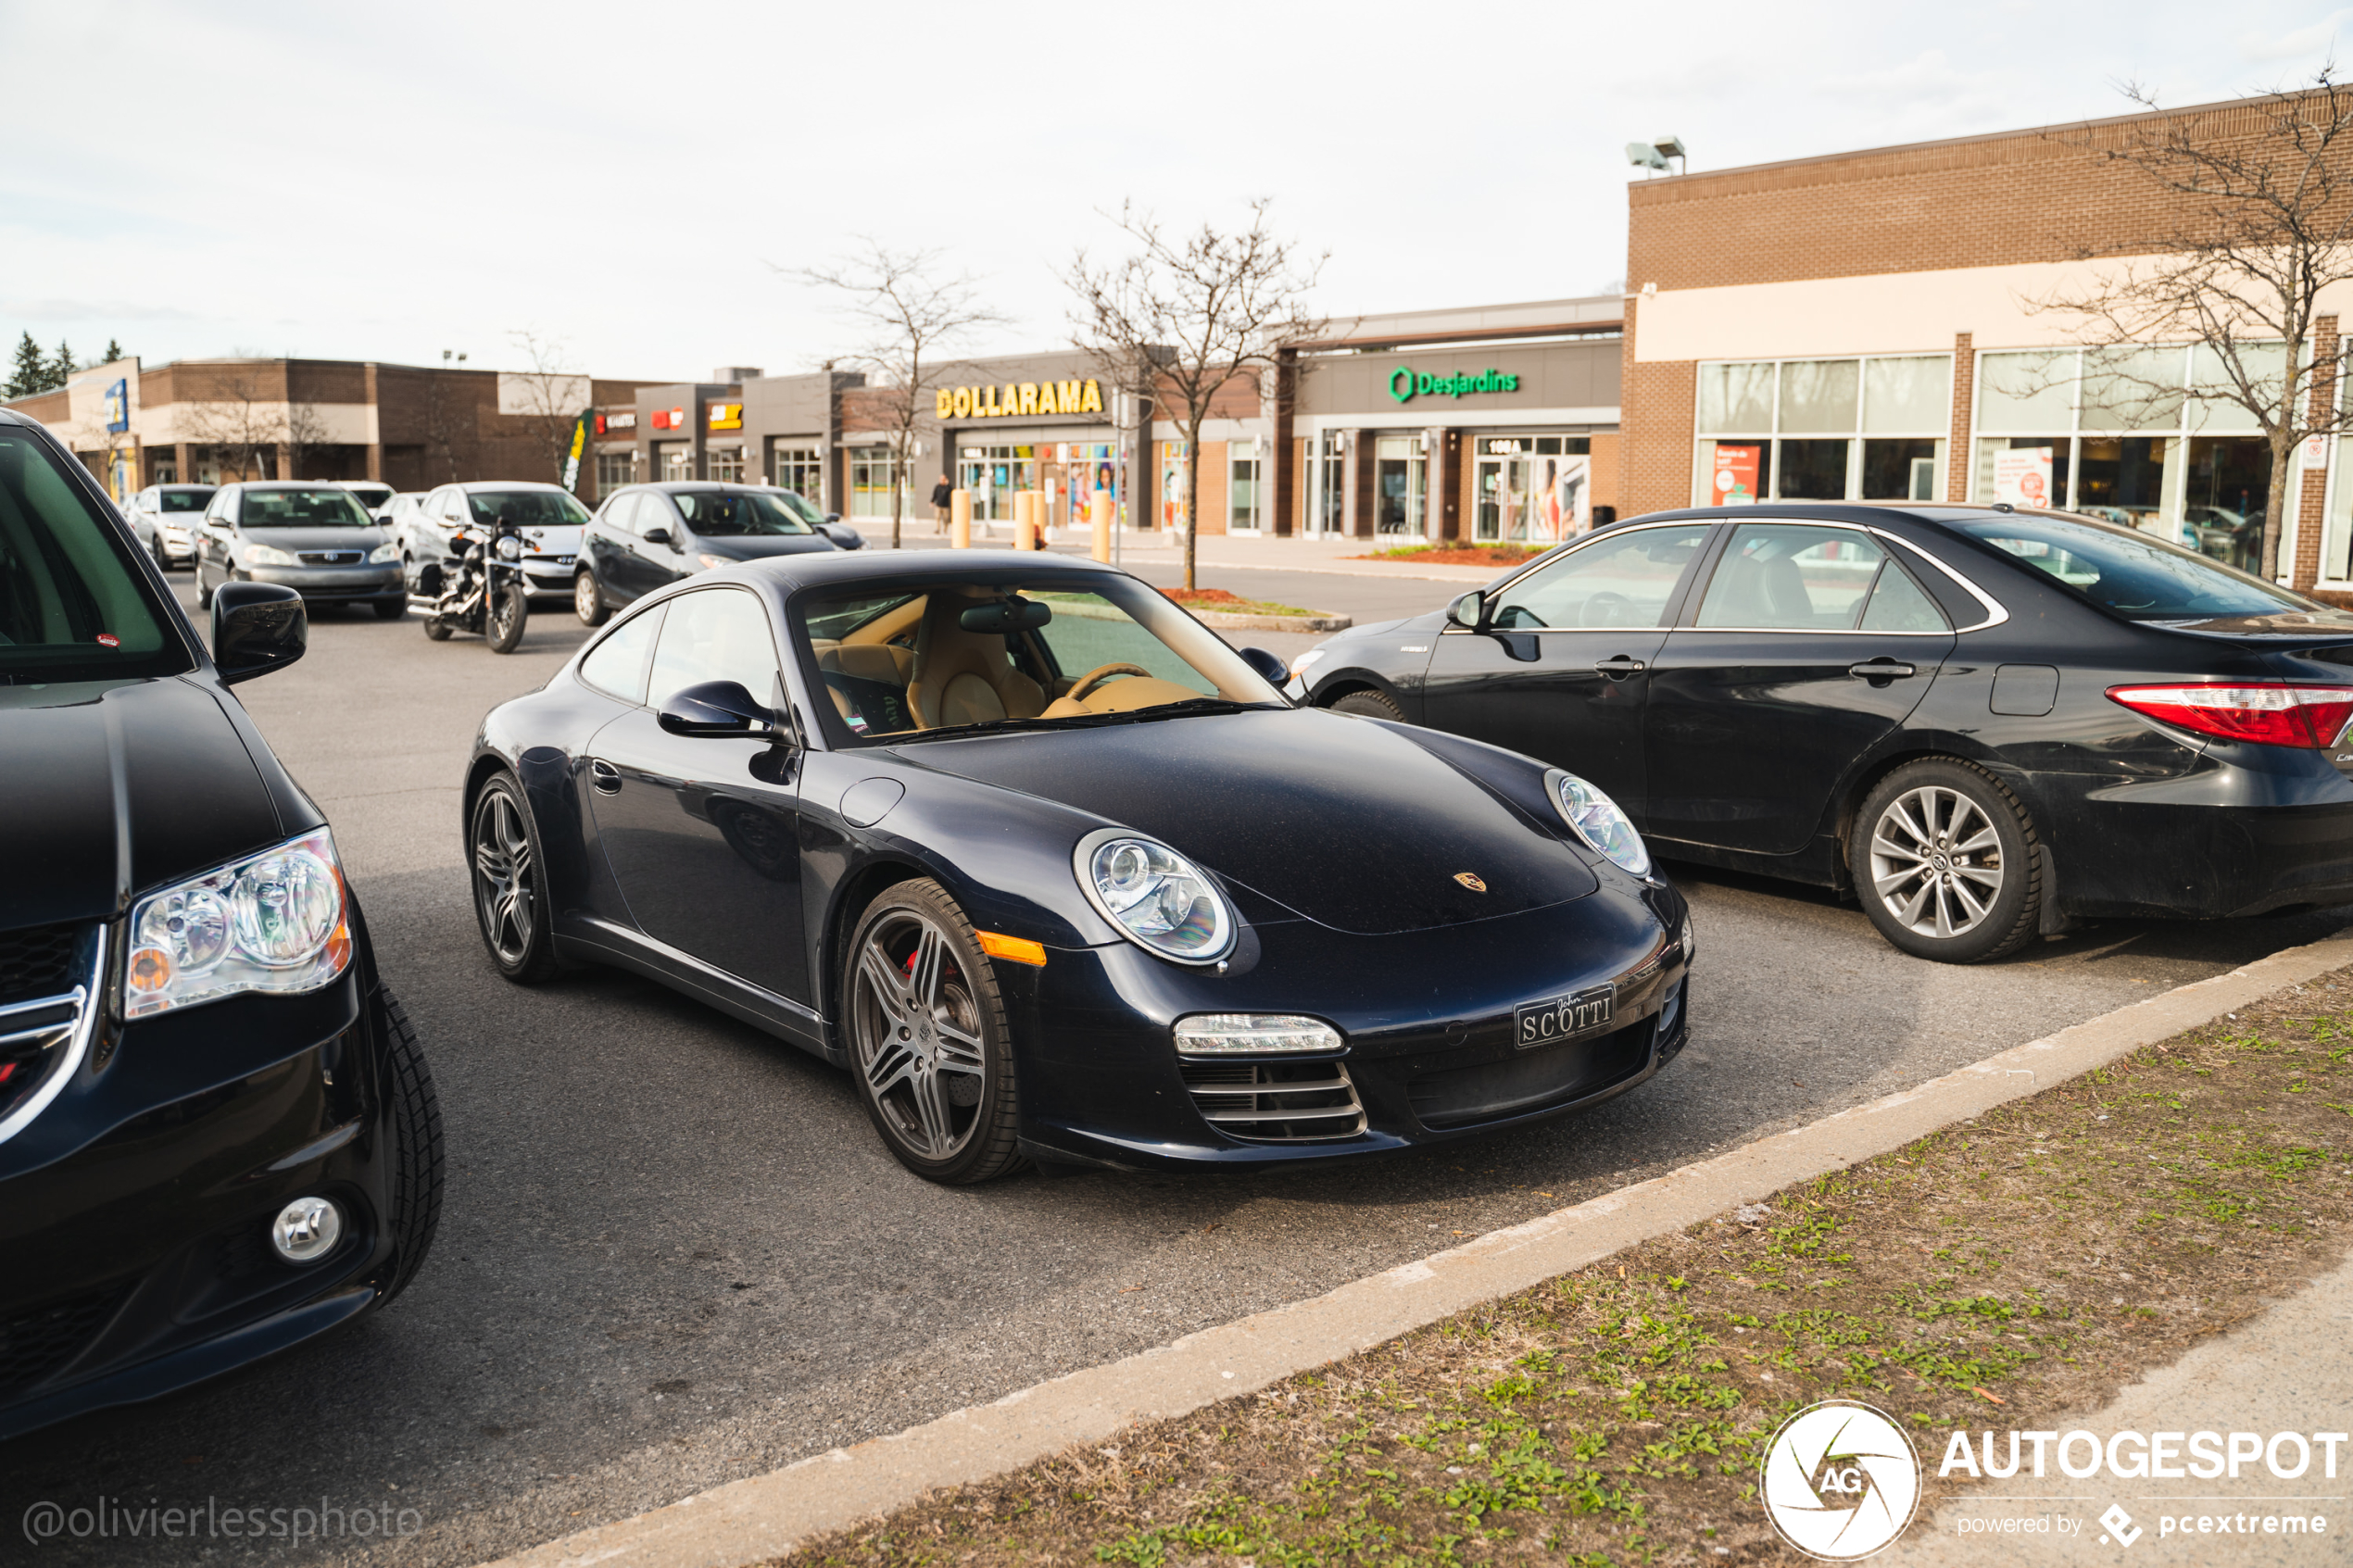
(606,777)
(1619,667)
(1880,670)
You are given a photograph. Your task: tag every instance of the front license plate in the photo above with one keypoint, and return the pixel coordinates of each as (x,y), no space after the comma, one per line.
(1563,1018)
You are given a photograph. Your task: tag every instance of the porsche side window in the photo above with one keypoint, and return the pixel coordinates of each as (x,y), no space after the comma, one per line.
(1089,632)
(617,665)
(718,635)
(1626,581)
(1792,577)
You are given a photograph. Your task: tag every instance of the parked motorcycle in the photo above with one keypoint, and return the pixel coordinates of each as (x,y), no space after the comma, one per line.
(479,588)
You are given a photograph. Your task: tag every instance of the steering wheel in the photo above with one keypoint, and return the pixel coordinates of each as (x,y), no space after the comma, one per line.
(1102,672)
(1604,608)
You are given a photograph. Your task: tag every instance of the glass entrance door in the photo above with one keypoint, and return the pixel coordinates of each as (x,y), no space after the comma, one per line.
(1400,503)
(1534,489)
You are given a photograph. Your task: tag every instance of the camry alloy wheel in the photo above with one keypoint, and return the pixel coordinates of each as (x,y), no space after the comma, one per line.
(503,876)
(918,1033)
(1937,861)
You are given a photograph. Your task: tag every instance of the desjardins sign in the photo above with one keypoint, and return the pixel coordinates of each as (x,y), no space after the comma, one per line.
(1021,398)
(1405,384)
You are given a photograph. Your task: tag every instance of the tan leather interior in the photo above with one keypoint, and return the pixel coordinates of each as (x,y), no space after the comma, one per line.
(965,677)
(1122,693)
(864,661)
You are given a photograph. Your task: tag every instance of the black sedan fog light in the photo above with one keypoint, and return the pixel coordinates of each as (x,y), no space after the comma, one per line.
(1252,1034)
(306,1230)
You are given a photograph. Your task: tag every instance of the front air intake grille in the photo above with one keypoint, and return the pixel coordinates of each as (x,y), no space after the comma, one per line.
(1276,1101)
(333,557)
(37,961)
(35,1346)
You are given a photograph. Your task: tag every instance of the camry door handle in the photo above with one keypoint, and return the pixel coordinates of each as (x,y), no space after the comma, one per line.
(1619,666)
(606,777)
(1880,669)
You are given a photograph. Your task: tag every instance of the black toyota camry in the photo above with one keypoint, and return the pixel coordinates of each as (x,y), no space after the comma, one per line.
(1058,875)
(1982,722)
(218,1135)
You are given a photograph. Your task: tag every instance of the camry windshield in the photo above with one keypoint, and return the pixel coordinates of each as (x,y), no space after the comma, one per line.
(905,658)
(182,500)
(527,509)
(71,606)
(726,513)
(2133,574)
(270,505)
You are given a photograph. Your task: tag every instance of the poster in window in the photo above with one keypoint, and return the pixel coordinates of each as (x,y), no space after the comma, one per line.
(1737,466)
(1564,496)
(2022,476)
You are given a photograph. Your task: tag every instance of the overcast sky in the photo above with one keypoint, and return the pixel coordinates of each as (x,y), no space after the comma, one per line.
(385,182)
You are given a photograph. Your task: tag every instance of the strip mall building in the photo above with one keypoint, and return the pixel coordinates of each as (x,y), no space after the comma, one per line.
(1876,326)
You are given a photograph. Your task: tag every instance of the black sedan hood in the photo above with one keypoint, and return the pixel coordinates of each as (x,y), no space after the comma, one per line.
(759,546)
(1346,822)
(113,789)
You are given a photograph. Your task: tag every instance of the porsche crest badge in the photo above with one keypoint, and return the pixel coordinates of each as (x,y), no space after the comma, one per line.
(1471,880)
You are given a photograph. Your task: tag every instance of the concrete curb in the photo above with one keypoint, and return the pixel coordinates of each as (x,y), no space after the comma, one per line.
(763,1515)
(1227,622)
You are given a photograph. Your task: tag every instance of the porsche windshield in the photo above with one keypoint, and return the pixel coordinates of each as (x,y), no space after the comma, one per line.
(291,506)
(904,658)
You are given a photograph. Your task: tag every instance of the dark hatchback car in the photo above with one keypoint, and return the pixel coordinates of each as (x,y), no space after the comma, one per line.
(319,540)
(1057,874)
(650,535)
(1982,722)
(218,1134)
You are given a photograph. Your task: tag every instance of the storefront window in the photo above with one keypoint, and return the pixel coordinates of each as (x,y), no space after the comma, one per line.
(726,465)
(994,474)
(1531,487)
(677,462)
(872,478)
(1400,485)
(800,470)
(1823,430)
(1241,487)
(1331,482)
(2229,490)
(613,471)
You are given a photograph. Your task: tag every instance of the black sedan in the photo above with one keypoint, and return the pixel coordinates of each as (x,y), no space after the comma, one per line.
(1060,876)
(1982,722)
(317,539)
(651,534)
(218,1135)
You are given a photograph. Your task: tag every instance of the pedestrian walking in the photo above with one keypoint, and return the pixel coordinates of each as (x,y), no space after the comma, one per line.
(941,493)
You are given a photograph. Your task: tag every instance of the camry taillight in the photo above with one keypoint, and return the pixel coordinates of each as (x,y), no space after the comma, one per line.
(2266,713)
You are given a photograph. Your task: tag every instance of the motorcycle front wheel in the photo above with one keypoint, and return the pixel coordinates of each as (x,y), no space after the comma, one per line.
(509,607)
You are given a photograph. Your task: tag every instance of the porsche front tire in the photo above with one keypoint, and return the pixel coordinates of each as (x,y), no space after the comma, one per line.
(928,1039)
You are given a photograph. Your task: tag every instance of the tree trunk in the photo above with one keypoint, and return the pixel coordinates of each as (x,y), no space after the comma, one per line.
(899,486)
(1192,496)
(2275,506)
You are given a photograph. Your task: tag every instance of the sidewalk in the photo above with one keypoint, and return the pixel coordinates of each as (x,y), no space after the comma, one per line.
(1133,548)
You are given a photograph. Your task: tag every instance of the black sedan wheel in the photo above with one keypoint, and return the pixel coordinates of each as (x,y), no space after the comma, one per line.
(586,603)
(1370,705)
(930,1033)
(1945,864)
(416,1156)
(509,904)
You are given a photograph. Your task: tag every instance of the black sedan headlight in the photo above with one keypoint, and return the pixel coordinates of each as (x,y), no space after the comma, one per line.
(1595,818)
(1156,897)
(276,921)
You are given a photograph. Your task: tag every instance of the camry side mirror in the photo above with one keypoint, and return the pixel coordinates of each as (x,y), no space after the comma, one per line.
(721,709)
(658,536)
(1468,610)
(1270,666)
(256,627)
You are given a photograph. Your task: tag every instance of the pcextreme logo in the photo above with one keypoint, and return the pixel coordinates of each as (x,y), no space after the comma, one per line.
(1840,1481)
(1405,384)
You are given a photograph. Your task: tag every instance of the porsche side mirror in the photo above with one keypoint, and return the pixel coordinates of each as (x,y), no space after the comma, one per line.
(718,708)
(1468,610)
(1270,667)
(658,536)
(256,627)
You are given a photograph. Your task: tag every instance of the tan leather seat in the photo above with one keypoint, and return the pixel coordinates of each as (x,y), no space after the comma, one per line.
(865,661)
(963,677)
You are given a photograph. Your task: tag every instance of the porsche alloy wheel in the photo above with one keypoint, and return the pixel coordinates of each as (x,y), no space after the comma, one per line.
(505,852)
(930,1034)
(1945,861)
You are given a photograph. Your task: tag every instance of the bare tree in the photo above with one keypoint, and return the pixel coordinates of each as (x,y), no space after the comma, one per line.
(236,415)
(2259,227)
(440,424)
(1205,311)
(912,313)
(551,394)
(306,432)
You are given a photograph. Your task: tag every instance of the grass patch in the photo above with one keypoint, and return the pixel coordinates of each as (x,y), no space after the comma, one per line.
(1498,555)
(1994,1274)
(1222,602)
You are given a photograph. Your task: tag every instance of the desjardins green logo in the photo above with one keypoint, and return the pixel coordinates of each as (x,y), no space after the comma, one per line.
(1405,384)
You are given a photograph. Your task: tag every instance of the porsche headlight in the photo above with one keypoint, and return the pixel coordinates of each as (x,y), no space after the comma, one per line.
(1155,896)
(274,921)
(388,551)
(269,554)
(1595,817)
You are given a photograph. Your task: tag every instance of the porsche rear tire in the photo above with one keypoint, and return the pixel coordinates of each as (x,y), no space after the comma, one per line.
(929,1042)
(510,883)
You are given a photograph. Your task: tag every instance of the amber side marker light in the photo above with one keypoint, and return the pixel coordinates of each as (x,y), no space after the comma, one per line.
(1012,947)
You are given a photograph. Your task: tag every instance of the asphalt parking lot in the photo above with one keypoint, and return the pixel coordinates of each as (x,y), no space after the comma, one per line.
(675,1252)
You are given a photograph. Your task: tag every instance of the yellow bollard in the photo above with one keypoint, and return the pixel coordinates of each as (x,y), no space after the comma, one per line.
(1024,520)
(960,520)
(1102,525)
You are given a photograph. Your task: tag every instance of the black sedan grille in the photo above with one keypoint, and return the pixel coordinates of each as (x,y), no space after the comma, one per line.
(1276,1101)
(1489,1091)
(331,557)
(36,1346)
(38,960)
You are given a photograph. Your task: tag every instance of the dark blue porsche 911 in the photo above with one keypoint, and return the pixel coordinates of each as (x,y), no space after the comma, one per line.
(1063,878)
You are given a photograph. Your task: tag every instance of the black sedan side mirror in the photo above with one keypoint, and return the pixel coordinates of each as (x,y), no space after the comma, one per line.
(658,536)
(833,517)
(1270,666)
(1469,610)
(718,708)
(256,627)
